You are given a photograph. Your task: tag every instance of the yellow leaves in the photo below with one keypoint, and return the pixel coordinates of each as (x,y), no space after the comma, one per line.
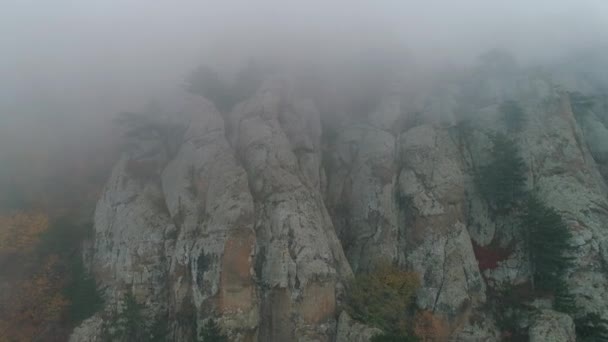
(20,231)
(36,302)
(382,297)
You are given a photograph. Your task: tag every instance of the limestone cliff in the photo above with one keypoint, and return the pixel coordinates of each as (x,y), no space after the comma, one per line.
(259,217)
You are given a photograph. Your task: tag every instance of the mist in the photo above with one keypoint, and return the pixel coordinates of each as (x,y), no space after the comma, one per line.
(72,64)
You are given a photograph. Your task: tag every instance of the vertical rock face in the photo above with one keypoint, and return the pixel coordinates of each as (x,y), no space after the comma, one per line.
(402,199)
(352,331)
(299,262)
(258,223)
(132,229)
(551,326)
(437,245)
(567,177)
(564,174)
(361,178)
(208,197)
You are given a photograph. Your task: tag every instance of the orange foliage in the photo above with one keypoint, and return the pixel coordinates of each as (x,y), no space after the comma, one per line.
(32,300)
(430,328)
(19,232)
(35,305)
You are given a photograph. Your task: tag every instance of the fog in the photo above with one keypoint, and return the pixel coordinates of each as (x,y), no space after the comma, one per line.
(67,62)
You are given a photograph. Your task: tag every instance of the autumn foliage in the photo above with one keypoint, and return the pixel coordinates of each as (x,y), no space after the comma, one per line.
(430,328)
(32,302)
(383,297)
(20,231)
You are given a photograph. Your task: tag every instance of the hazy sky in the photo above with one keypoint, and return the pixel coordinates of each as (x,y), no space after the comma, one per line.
(87,57)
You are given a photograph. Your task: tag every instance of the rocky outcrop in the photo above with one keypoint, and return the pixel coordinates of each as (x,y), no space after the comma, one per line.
(88,331)
(551,326)
(132,231)
(566,176)
(436,244)
(300,263)
(207,195)
(402,198)
(350,330)
(360,194)
(255,221)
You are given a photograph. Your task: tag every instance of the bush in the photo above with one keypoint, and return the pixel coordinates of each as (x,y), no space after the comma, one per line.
(383,297)
(212,333)
(430,328)
(502,181)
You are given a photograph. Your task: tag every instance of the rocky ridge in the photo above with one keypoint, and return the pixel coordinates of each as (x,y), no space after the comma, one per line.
(259,220)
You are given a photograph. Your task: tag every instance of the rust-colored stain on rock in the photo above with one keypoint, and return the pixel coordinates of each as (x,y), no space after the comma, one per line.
(318,302)
(236,283)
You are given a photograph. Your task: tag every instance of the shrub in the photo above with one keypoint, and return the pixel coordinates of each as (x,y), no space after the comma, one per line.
(430,328)
(502,181)
(382,297)
(210,332)
(150,126)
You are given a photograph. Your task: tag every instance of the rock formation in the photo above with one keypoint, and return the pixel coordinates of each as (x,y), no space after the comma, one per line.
(259,218)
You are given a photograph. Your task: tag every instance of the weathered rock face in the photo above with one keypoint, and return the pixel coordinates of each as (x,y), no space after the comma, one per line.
(256,222)
(361,178)
(207,195)
(551,326)
(402,198)
(132,229)
(568,179)
(300,262)
(437,244)
(564,174)
(352,331)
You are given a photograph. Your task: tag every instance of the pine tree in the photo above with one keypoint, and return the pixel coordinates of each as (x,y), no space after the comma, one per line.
(563,299)
(513,115)
(127,322)
(502,181)
(548,242)
(591,328)
(133,319)
(82,293)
